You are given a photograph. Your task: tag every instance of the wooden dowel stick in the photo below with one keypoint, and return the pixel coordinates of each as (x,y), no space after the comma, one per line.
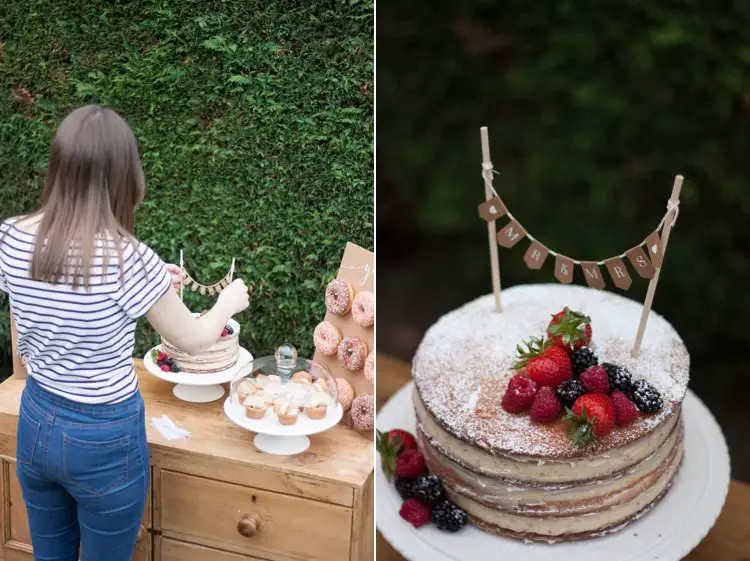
(674,199)
(491,229)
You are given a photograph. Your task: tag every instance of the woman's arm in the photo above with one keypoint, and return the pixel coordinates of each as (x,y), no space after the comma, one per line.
(172,320)
(19,368)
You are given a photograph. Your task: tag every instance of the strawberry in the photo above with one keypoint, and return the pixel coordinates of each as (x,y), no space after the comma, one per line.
(519,394)
(415,512)
(595,380)
(161,356)
(546,407)
(224,332)
(390,446)
(593,416)
(625,410)
(545,369)
(410,464)
(569,330)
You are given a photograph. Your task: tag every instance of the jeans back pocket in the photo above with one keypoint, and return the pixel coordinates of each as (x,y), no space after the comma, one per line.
(95,466)
(27,438)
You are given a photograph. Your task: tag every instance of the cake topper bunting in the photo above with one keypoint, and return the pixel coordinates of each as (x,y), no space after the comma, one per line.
(646,258)
(195,286)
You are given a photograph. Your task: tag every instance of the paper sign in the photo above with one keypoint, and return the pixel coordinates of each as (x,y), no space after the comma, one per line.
(592,274)
(535,255)
(564,269)
(511,234)
(618,272)
(492,209)
(653,247)
(640,262)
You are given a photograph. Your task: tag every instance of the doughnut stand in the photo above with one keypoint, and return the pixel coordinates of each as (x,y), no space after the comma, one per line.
(358,269)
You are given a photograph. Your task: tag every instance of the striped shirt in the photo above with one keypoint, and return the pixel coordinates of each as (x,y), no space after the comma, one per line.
(79,343)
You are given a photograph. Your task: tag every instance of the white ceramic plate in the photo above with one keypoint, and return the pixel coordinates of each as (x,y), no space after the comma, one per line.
(270,424)
(667,533)
(190,379)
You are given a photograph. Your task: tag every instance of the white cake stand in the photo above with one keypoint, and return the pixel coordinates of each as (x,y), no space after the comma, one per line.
(197,388)
(275,438)
(667,533)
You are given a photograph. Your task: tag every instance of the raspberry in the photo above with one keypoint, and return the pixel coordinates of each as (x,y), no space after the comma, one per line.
(595,380)
(165,368)
(520,393)
(625,410)
(410,464)
(415,512)
(546,407)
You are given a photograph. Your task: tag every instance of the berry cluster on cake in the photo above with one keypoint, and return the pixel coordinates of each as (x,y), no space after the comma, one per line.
(222,355)
(563,438)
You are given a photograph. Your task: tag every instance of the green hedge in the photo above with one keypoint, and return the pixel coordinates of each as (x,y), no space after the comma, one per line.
(592,108)
(255,127)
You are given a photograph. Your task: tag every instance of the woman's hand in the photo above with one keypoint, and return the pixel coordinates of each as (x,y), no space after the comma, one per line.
(235,298)
(178,276)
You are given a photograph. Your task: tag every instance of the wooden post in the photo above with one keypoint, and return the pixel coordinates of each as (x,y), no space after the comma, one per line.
(491,229)
(674,200)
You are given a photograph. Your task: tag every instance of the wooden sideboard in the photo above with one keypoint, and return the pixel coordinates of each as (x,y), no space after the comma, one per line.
(214,497)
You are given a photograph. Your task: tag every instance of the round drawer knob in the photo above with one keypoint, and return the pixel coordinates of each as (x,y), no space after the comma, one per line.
(249,525)
(141,533)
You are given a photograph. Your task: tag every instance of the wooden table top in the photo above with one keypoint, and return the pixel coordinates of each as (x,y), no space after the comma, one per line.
(339,455)
(728,540)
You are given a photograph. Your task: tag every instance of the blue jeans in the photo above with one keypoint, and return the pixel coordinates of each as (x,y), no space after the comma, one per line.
(84,474)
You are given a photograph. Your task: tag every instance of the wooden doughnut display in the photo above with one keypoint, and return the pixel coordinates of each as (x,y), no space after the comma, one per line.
(358,269)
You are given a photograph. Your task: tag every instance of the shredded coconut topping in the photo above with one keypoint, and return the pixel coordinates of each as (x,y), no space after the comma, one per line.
(464,362)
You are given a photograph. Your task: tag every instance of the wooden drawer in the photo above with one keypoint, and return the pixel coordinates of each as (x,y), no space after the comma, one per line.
(207,511)
(17,543)
(173,550)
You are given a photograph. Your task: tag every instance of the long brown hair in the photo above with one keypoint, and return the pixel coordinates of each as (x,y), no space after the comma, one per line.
(94,184)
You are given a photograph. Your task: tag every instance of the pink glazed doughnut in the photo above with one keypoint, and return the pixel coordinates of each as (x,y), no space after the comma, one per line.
(339,295)
(345,392)
(363,309)
(326,338)
(352,352)
(363,412)
(370,368)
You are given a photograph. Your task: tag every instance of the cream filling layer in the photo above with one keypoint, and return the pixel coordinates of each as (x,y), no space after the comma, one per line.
(578,524)
(541,472)
(219,356)
(531,500)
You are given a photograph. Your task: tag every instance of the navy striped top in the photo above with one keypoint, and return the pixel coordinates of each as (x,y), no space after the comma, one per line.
(79,343)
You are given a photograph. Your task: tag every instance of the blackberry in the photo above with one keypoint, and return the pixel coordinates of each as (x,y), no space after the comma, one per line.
(645,396)
(619,377)
(229,329)
(582,358)
(427,488)
(449,517)
(569,391)
(174,368)
(404,487)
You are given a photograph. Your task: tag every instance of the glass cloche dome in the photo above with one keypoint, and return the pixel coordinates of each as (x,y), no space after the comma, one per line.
(285,386)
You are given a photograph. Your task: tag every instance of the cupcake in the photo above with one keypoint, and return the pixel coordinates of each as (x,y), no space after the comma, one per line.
(287,414)
(302,376)
(245,389)
(317,406)
(255,407)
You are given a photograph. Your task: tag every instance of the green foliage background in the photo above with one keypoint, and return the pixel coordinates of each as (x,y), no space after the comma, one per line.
(592,109)
(255,127)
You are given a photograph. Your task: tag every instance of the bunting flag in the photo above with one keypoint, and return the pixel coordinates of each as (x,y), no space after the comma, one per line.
(644,258)
(204,289)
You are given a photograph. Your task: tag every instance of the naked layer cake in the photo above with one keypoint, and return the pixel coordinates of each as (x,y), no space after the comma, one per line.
(220,356)
(529,480)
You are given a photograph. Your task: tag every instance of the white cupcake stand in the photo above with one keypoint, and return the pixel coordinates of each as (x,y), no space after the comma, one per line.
(197,388)
(274,438)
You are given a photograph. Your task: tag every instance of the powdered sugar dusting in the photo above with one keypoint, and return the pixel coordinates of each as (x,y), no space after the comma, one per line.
(464,362)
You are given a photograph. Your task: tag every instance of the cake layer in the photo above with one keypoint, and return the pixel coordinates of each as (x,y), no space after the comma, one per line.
(566,528)
(220,356)
(465,360)
(550,473)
